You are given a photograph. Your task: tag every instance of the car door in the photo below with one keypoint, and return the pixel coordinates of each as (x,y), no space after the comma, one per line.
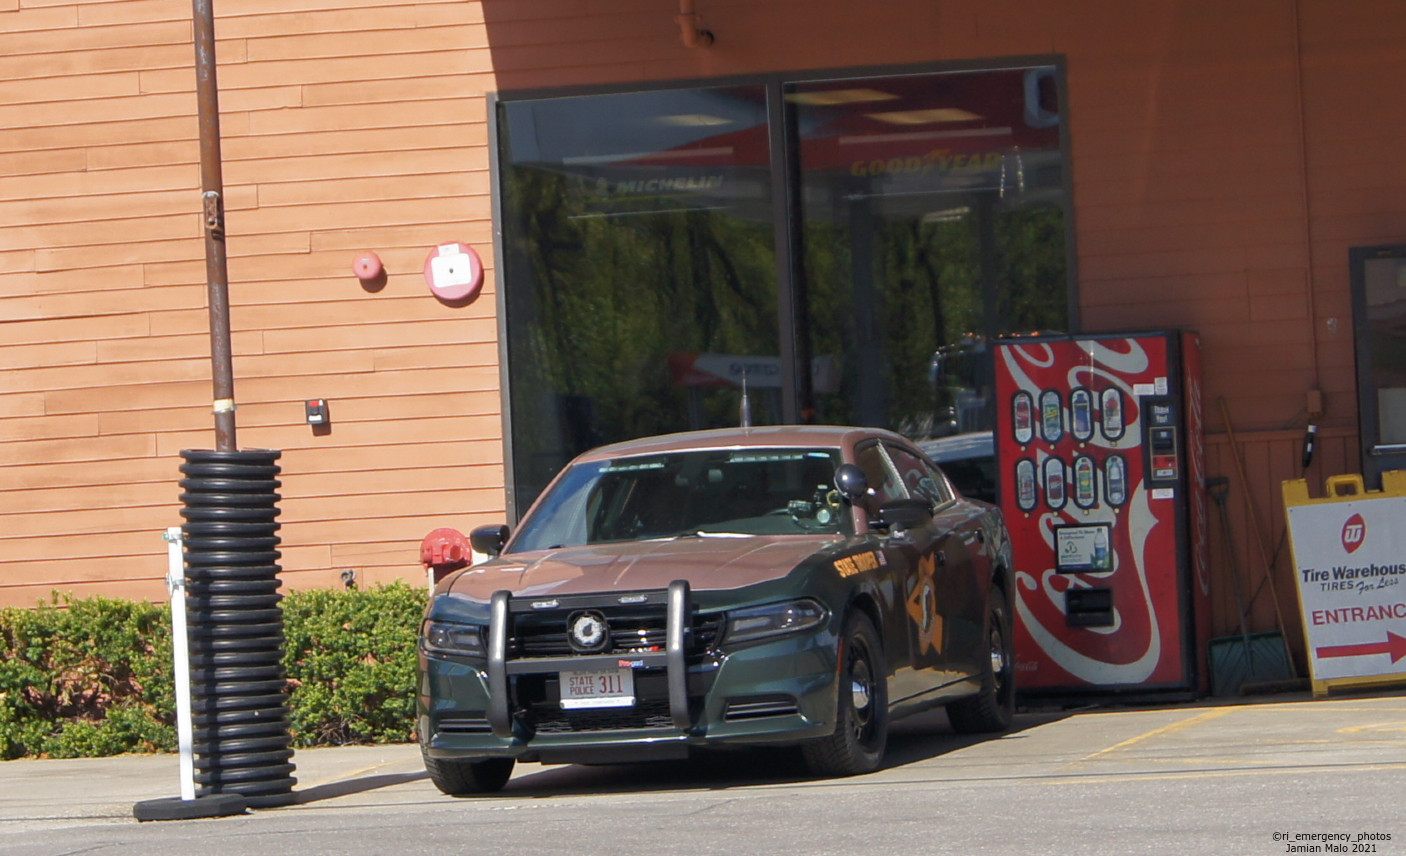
(899,557)
(945,605)
(915,625)
(964,566)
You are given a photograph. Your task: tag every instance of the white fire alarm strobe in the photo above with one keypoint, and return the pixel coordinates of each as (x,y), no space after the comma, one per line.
(454,272)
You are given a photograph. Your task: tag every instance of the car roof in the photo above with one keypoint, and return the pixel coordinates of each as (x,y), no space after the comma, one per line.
(770,436)
(959,447)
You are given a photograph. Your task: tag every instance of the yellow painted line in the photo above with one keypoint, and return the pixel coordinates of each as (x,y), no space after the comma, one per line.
(1173,728)
(1328,705)
(1377,726)
(1064,781)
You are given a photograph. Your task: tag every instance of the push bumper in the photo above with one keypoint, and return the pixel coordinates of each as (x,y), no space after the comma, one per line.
(778,693)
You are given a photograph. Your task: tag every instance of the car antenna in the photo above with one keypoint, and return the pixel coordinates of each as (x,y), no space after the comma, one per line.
(746,402)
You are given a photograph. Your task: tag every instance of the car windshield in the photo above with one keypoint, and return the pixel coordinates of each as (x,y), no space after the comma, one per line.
(720,492)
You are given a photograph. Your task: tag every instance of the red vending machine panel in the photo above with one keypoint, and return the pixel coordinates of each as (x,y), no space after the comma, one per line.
(1099,448)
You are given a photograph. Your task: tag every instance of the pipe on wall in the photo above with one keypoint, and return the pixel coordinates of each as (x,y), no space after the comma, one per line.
(693,35)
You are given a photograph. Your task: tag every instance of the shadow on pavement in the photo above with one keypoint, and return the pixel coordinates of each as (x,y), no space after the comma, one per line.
(355,786)
(929,735)
(911,740)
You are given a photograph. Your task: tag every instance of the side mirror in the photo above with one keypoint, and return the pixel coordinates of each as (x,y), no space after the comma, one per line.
(489,539)
(851,481)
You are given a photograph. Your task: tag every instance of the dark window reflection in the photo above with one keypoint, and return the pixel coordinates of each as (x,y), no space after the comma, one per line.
(639,275)
(639,268)
(1385,292)
(933,210)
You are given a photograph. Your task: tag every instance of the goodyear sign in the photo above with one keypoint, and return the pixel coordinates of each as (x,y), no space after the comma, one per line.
(1350,569)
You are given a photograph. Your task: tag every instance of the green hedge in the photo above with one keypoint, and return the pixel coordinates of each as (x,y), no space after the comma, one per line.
(93,677)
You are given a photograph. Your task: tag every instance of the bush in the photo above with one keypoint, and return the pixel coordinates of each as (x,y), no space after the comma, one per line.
(93,677)
(86,677)
(351,664)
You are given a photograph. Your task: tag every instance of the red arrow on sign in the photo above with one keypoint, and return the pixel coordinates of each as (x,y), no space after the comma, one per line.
(1394,645)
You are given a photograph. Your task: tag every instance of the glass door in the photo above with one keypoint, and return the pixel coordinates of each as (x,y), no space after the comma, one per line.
(1379,322)
(933,221)
(640,270)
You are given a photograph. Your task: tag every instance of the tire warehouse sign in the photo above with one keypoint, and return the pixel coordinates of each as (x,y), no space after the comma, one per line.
(1349,552)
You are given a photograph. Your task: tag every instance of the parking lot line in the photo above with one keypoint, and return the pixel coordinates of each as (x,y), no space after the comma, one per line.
(1170,728)
(1065,779)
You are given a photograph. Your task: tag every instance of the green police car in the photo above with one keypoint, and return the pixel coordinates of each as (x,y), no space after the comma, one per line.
(783,586)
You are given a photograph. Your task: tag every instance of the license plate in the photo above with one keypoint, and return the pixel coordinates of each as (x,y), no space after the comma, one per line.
(603,688)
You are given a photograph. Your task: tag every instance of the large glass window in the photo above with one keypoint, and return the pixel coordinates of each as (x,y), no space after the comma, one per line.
(917,216)
(640,273)
(934,220)
(1379,315)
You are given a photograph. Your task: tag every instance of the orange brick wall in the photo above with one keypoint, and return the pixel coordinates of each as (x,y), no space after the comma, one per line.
(1224,157)
(346,126)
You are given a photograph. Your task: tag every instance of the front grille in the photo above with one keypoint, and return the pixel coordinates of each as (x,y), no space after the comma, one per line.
(645,714)
(525,680)
(635,631)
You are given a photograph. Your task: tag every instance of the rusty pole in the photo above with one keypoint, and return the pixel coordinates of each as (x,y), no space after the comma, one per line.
(207,94)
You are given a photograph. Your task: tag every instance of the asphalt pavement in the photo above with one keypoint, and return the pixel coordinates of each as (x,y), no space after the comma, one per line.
(1267,739)
(37,793)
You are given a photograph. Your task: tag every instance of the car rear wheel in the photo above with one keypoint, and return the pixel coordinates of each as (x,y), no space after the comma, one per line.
(861,719)
(992,708)
(465,778)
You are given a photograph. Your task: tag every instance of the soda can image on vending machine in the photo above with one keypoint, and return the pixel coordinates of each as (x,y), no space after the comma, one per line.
(1115,480)
(1085,482)
(1051,416)
(1025,485)
(1023,417)
(1111,413)
(1081,414)
(1054,483)
(1112,585)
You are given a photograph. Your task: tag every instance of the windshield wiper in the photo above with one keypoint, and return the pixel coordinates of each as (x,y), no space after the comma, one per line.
(700,533)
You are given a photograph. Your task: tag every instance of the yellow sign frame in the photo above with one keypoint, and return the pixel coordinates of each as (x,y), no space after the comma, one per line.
(1339,489)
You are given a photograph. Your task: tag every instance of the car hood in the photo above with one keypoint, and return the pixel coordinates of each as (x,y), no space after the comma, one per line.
(707,562)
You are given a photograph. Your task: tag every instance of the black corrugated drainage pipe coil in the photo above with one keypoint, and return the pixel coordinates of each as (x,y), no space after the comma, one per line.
(239,702)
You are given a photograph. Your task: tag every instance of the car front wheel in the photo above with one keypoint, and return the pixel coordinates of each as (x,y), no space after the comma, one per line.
(466,778)
(990,709)
(861,719)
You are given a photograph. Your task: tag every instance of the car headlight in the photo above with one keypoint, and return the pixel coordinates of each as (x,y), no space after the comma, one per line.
(774,619)
(448,638)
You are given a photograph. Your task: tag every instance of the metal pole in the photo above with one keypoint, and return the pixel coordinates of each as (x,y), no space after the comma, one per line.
(180,647)
(212,192)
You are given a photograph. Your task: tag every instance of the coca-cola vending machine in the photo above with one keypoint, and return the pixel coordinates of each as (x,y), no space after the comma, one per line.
(1101,463)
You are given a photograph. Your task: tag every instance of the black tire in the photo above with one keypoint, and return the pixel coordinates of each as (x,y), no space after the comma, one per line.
(991,709)
(466,778)
(862,715)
